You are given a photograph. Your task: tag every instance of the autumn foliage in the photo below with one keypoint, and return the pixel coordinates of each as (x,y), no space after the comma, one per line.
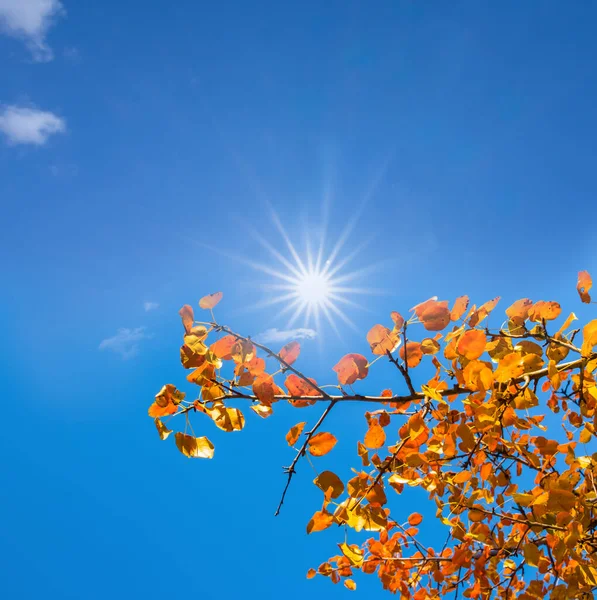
(500,439)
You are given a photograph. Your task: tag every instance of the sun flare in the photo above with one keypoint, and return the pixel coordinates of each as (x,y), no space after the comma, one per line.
(313,284)
(313,288)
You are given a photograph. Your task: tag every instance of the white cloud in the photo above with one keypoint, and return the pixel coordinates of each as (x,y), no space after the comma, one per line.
(150,306)
(22,125)
(125,342)
(283,335)
(30,20)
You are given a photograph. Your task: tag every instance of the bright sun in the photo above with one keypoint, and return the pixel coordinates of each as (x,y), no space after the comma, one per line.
(314,285)
(313,288)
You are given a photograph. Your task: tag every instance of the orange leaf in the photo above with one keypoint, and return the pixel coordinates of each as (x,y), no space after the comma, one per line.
(459,308)
(211,300)
(350,584)
(242,351)
(188,318)
(319,521)
(290,352)
(583,286)
(311,573)
(398,320)
(297,386)
(293,435)
(519,311)
(350,368)
(544,310)
(415,519)
(482,312)
(413,353)
(434,315)
(375,436)
(265,389)
(224,347)
(589,334)
(321,443)
(462,477)
(326,480)
(382,340)
(156,411)
(472,344)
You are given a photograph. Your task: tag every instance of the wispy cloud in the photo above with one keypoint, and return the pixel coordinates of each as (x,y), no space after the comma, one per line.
(150,306)
(126,341)
(23,125)
(30,20)
(283,335)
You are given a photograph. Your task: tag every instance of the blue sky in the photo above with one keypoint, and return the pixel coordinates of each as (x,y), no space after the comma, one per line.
(141,143)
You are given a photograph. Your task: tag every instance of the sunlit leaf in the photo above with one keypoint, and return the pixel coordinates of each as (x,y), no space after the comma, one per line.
(326,480)
(321,443)
(398,320)
(294,433)
(265,389)
(382,340)
(227,418)
(163,431)
(224,347)
(459,308)
(194,447)
(211,300)
(434,315)
(584,285)
(319,521)
(544,311)
(187,316)
(413,353)
(482,312)
(290,352)
(472,344)
(262,410)
(375,436)
(415,519)
(350,584)
(350,368)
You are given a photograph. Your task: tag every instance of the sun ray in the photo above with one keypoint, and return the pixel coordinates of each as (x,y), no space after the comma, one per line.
(296,272)
(330,319)
(342,316)
(288,308)
(357,290)
(297,313)
(348,302)
(291,248)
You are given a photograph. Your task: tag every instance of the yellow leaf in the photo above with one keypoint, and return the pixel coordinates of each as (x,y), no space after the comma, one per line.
(227,419)
(326,480)
(293,435)
(350,584)
(433,393)
(353,553)
(163,431)
(194,447)
(585,436)
(262,410)
(321,443)
(540,499)
(531,554)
